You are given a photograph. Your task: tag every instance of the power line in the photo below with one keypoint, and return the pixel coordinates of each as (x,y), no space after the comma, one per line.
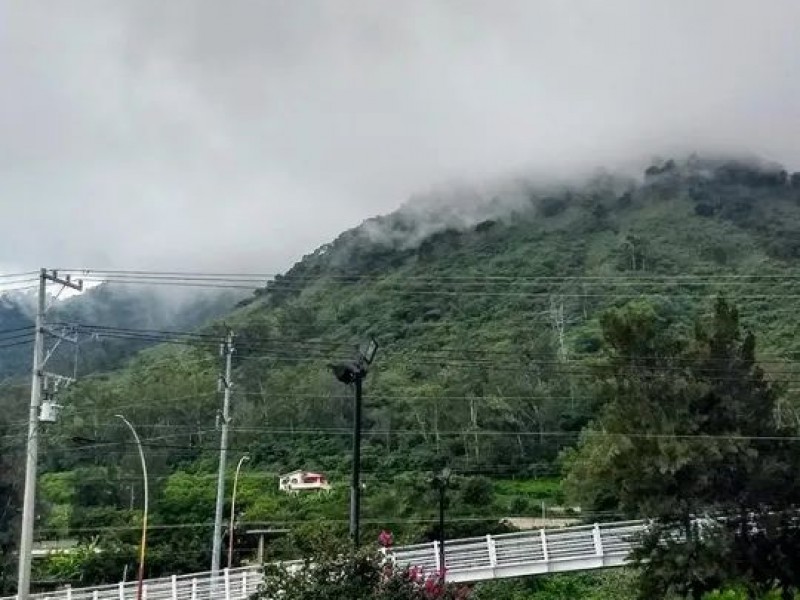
(15,344)
(459,432)
(405,292)
(321,520)
(88,272)
(289,282)
(261,342)
(17,329)
(23,288)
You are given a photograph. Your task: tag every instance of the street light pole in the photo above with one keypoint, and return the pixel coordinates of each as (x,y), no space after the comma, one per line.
(441,481)
(354,373)
(355,487)
(441,531)
(143,543)
(232,524)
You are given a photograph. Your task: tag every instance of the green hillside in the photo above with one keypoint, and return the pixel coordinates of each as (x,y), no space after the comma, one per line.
(488,325)
(105,305)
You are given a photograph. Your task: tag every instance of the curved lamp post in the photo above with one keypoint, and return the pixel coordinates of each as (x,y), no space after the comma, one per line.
(143,543)
(242,460)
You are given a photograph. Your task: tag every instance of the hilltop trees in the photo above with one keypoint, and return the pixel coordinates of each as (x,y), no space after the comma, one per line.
(690,436)
(9,509)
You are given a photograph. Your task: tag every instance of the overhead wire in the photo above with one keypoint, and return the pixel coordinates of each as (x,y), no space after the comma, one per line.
(346,431)
(85,272)
(162,337)
(275,344)
(315,347)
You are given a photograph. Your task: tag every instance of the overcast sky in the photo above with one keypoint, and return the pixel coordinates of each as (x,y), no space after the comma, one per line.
(239,135)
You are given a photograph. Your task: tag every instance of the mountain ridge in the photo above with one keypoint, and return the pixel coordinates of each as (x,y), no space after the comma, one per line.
(490,341)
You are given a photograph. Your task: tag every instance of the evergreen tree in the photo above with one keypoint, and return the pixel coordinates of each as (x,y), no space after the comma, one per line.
(689,436)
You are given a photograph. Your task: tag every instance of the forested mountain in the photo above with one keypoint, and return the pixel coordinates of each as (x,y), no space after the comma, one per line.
(487,308)
(106,305)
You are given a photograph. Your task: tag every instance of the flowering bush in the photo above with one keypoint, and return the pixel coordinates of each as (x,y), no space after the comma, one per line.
(362,575)
(386,539)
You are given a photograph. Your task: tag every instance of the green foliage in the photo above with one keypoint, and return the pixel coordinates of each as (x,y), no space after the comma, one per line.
(58,488)
(690,428)
(477,491)
(10,504)
(537,489)
(619,584)
(83,565)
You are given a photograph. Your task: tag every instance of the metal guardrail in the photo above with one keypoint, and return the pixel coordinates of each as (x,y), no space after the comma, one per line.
(525,553)
(471,559)
(233,584)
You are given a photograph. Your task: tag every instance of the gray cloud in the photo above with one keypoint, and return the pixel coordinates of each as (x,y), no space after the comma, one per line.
(239,135)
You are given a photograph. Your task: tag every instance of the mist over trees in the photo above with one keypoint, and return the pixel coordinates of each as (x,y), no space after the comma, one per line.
(506,340)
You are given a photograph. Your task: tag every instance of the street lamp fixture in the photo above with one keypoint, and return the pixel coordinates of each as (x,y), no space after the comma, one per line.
(368,353)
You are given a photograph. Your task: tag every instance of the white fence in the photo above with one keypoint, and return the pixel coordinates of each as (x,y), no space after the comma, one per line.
(471,559)
(233,584)
(526,553)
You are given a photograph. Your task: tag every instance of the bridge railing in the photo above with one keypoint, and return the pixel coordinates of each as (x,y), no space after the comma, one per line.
(467,559)
(529,552)
(233,584)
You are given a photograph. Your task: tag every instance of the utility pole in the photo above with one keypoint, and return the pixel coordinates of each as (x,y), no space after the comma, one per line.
(225,381)
(32,455)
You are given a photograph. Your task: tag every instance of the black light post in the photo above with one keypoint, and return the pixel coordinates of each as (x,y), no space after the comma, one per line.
(355,484)
(441,481)
(354,373)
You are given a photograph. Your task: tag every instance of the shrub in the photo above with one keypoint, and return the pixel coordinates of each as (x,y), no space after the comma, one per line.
(358,575)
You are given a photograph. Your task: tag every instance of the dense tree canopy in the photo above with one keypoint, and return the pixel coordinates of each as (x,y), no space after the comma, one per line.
(9,508)
(691,435)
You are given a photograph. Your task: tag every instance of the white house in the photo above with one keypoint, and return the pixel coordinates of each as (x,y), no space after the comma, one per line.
(301,481)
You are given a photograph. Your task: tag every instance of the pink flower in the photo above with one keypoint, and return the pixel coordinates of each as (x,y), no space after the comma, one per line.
(432,588)
(385,539)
